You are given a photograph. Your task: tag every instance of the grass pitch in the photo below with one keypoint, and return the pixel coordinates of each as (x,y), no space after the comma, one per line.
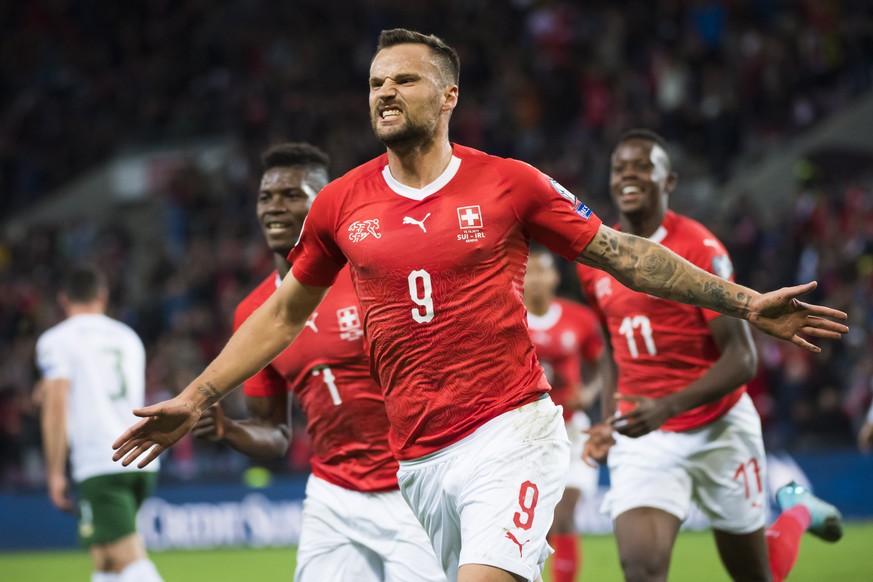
(694,559)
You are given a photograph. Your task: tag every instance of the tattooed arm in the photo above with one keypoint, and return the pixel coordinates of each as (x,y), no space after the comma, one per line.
(651,268)
(261,338)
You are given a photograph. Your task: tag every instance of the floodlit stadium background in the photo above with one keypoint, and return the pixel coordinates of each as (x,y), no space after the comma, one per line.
(129,136)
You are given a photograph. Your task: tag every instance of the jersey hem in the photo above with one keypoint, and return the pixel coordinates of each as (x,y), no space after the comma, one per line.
(417,453)
(351,487)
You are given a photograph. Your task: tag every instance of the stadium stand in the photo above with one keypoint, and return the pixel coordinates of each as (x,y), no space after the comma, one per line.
(85,86)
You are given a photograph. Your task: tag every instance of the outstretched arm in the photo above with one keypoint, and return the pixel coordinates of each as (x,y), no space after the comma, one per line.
(651,268)
(265,433)
(263,336)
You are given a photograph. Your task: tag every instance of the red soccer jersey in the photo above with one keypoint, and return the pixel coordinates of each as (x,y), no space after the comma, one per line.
(565,337)
(661,346)
(327,370)
(439,272)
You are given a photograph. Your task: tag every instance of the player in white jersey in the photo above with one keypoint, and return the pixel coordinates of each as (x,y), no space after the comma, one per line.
(93,374)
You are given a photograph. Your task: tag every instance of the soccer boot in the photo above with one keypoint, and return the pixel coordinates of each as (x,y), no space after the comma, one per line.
(827,522)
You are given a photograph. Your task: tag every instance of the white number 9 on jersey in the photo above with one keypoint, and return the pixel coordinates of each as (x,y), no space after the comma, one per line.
(424,312)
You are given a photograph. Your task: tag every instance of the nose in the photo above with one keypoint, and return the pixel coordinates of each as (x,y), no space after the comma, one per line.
(272,204)
(387,89)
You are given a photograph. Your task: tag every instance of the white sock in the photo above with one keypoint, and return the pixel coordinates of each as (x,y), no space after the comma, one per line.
(104,577)
(140,571)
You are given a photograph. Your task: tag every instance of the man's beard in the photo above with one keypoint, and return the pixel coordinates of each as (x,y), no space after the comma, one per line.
(410,134)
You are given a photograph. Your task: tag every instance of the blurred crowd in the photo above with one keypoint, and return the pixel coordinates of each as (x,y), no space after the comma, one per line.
(549,82)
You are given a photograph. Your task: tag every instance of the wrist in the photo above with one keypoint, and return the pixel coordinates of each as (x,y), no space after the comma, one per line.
(200,395)
(673,403)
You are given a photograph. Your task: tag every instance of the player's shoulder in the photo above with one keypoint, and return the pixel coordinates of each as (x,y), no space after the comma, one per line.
(256,297)
(53,335)
(691,231)
(587,273)
(482,161)
(366,172)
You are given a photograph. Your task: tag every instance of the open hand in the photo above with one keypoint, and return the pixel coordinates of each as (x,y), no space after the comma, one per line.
(163,424)
(596,448)
(211,425)
(780,314)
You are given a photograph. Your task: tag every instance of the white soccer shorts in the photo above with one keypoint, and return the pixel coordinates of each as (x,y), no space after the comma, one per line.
(490,497)
(721,466)
(351,535)
(581,476)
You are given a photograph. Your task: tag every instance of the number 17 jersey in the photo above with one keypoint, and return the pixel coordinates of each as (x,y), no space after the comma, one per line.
(439,273)
(661,346)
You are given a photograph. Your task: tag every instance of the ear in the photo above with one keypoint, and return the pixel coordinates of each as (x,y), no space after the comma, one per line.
(670,184)
(450,98)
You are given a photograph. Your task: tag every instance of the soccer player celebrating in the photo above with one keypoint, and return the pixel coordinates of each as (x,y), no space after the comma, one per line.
(93,372)
(355,523)
(436,235)
(686,428)
(566,336)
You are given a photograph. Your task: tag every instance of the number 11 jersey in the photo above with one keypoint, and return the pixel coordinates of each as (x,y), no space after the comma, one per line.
(439,273)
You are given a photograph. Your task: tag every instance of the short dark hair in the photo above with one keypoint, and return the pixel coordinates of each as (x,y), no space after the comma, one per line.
(645,135)
(82,284)
(447,57)
(289,154)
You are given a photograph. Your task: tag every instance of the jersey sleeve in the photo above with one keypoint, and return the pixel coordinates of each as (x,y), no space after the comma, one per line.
(552,215)
(316,259)
(52,359)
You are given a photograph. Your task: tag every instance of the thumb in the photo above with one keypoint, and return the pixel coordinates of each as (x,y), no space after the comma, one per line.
(798,290)
(147,411)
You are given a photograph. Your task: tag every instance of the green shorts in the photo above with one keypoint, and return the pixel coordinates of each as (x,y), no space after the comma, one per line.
(108,505)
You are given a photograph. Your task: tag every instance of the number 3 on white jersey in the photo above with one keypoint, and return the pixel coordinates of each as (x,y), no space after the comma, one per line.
(424,312)
(641,322)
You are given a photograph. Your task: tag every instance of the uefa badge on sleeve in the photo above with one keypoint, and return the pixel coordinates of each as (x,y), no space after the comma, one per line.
(578,207)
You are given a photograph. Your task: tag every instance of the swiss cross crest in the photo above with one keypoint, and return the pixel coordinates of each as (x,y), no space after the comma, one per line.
(361,229)
(349,323)
(469,217)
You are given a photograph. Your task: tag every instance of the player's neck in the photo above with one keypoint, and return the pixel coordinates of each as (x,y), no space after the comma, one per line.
(538,306)
(643,226)
(283,267)
(96,308)
(419,165)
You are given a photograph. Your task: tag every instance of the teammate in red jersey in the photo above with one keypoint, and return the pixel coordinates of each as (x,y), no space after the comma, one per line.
(436,235)
(356,525)
(687,431)
(567,337)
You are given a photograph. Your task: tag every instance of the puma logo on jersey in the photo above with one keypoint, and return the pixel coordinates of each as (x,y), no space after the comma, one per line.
(511,536)
(603,287)
(420,223)
(361,229)
(310,323)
